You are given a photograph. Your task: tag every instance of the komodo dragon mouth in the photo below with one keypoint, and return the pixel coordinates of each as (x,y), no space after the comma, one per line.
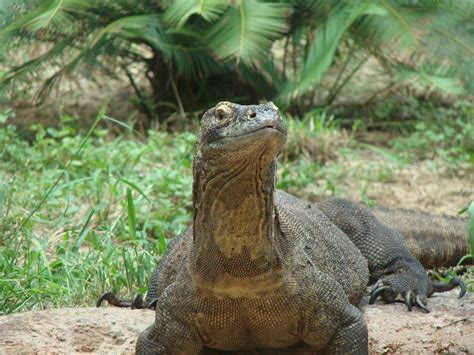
(262,130)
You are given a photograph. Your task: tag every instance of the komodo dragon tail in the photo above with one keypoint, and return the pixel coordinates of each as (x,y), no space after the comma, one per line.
(435,240)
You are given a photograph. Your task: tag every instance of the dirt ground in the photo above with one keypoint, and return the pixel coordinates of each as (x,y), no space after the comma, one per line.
(448,328)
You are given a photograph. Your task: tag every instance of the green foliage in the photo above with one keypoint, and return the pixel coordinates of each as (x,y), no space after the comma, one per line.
(314,137)
(39,272)
(468,258)
(247,31)
(445,133)
(78,218)
(249,49)
(321,51)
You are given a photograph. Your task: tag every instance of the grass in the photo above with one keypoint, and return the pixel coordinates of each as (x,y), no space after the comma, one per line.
(104,224)
(80,214)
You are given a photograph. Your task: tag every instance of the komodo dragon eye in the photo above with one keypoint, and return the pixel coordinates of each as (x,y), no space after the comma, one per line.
(222,114)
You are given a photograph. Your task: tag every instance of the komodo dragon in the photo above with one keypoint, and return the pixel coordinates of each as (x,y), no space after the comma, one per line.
(261,269)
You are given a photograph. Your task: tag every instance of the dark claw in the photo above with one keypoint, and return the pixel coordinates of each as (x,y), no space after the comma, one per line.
(376,292)
(137,302)
(377,284)
(409,299)
(101,299)
(462,285)
(152,304)
(420,304)
(112,299)
(443,287)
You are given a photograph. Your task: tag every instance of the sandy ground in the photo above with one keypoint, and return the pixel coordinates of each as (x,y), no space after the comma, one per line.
(448,328)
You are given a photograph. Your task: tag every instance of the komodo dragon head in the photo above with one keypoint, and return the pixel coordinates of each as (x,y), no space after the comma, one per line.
(241,131)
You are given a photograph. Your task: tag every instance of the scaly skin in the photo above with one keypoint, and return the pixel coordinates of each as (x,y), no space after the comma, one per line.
(434,240)
(261,269)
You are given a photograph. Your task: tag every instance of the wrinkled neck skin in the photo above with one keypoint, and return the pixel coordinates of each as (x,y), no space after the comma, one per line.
(235,252)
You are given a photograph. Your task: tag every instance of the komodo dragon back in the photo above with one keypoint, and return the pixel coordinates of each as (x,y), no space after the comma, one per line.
(435,240)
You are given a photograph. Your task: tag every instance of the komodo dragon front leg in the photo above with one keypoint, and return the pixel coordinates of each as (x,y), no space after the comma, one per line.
(393,269)
(333,325)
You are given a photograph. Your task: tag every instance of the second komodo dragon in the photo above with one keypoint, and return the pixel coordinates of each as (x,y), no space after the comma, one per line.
(261,269)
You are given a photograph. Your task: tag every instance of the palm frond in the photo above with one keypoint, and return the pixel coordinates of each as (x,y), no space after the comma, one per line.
(179,11)
(246,31)
(51,12)
(397,15)
(145,28)
(24,69)
(435,38)
(322,49)
(427,42)
(387,24)
(191,55)
(424,79)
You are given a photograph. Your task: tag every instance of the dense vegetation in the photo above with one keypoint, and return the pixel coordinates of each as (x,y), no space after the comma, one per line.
(190,54)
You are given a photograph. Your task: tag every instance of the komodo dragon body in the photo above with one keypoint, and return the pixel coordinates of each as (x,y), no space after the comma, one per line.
(261,269)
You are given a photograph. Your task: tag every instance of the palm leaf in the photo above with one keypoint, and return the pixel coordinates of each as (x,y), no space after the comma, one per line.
(191,54)
(183,46)
(426,42)
(433,38)
(424,79)
(398,16)
(90,55)
(246,31)
(52,12)
(142,28)
(386,23)
(321,51)
(179,11)
(34,64)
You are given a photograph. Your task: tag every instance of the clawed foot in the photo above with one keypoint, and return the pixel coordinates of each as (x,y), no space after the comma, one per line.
(413,291)
(136,303)
(390,294)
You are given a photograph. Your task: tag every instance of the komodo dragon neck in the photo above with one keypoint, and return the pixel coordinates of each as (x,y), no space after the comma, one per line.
(235,251)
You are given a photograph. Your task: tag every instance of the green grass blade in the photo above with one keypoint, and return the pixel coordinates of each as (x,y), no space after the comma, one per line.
(470,226)
(132,220)
(136,188)
(42,253)
(84,231)
(162,243)
(465,257)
